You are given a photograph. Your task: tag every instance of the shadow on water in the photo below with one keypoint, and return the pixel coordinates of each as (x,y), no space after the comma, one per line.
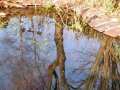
(41,53)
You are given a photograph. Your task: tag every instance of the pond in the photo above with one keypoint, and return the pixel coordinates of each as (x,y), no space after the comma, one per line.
(37,53)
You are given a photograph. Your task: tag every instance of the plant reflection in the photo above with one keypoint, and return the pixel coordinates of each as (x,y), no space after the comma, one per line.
(104,72)
(60,83)
(26,74)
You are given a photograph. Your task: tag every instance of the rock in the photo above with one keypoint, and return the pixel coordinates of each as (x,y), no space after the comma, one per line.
(113,32)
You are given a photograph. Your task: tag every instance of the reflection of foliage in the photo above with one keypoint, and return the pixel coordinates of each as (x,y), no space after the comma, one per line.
(76,26)
(60,14)
(104,69)
(40,44)
(117,51)
(3,22)
(27,76)
(64,18)
(61,83)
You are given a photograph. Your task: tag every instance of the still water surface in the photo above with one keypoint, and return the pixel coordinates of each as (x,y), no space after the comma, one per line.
(36,55)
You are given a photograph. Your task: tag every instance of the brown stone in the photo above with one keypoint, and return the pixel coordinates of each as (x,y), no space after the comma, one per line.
(113,33)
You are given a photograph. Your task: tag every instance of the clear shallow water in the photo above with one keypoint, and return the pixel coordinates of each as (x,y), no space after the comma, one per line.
(29,48)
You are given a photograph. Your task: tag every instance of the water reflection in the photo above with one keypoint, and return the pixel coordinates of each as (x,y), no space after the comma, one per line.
(60,83)
(39,54)
(104,72)
(24,53)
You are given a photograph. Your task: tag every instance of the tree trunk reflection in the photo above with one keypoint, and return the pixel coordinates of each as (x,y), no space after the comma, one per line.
(60,61)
